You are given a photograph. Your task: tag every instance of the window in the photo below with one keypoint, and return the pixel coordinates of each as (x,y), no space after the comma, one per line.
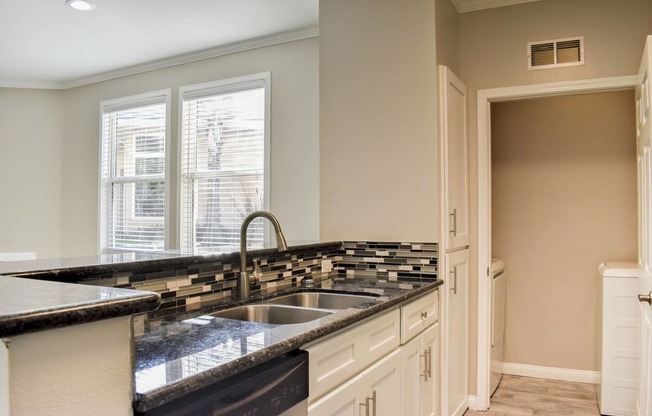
(224,161)
(133,172)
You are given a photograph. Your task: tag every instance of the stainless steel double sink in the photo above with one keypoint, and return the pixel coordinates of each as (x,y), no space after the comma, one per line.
(294,308)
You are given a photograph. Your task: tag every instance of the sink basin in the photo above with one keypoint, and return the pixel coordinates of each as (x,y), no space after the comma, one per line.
(321,300)
(271,314)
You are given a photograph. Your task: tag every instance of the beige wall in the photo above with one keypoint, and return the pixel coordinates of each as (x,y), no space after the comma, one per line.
(563,201)
(30,171)
(493,54)
(378,153)
(447,35)
(294,136)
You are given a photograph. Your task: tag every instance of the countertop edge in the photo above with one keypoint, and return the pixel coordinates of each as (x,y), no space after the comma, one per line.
(67,315)
(146,401)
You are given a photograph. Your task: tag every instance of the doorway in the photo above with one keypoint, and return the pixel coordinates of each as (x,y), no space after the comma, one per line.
(564,200)
(485,99)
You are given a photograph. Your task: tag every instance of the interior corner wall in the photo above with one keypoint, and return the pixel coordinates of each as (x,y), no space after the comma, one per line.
(378,151)
(31,171)
(564,200)
(294,136)
(493,46)
(447,35)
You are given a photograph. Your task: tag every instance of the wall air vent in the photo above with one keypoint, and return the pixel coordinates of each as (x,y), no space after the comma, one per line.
(555,53)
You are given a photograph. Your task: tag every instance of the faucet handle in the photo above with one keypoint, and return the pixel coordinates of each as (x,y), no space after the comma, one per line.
(255,274)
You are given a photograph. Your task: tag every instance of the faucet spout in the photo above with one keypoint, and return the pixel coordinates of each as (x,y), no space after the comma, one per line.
(242,284)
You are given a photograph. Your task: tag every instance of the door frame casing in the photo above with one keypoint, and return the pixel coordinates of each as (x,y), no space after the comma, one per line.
(484,99)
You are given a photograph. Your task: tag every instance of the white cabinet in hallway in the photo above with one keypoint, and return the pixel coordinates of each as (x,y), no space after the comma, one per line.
(455,160)
(456,334)
(454,241)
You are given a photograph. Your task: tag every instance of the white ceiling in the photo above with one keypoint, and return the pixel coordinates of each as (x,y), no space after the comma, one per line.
(45,43)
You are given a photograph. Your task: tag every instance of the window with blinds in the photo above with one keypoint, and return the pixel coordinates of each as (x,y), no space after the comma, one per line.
(224,161)
(133,173)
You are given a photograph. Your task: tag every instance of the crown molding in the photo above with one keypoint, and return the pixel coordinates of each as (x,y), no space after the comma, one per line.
(231,48)
(37,85)
(464,6)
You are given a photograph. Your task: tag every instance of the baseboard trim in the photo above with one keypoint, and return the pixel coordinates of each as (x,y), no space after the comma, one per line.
(473,403)
(552,373)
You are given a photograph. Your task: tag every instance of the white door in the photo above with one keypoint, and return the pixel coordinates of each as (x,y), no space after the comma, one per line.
(343,401)
(455,158)
(456,337)
(644,133)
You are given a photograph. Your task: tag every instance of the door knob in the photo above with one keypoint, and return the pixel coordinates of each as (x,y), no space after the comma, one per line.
(646,298)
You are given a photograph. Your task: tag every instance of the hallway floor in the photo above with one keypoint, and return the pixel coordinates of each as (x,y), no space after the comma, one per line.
(524,396)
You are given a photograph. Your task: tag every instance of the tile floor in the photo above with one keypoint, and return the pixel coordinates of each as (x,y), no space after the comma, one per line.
(524,396)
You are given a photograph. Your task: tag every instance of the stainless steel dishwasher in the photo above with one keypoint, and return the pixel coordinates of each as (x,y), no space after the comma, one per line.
(278,387)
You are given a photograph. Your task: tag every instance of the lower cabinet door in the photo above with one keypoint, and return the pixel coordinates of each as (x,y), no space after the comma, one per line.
(382,396)
(343,401)
(375,392)
(428,399)
(412,368)
(419,373)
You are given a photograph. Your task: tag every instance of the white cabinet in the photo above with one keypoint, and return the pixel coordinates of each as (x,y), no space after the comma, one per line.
(362,371)
(375,392)
(454,158)
(456,325)
(418,315)
(420,370)
(343,356)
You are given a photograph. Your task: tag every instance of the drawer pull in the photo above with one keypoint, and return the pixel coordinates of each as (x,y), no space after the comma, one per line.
(424,314)
(646,298)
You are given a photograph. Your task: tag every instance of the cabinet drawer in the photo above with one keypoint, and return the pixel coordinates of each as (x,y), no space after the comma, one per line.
(418,315)
(341,357)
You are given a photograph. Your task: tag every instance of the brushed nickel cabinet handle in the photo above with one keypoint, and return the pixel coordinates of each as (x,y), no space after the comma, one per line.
(366,410)
(453,220)
(429,362)
(373,400)
(454,275)
(646,298)
(424,373)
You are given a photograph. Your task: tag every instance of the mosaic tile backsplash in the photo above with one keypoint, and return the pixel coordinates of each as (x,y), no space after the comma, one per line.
(189,287)
(392,261)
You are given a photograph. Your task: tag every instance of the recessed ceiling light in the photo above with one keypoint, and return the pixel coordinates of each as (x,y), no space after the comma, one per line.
(83,5)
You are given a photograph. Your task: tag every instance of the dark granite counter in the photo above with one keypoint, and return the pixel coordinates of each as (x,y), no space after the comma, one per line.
(182,353)
(78,269)
(31,305)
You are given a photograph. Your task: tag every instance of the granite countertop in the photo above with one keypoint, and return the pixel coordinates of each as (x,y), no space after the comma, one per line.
(193,350)
(28,305)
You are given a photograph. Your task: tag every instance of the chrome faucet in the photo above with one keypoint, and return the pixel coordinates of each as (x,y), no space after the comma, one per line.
(242,284)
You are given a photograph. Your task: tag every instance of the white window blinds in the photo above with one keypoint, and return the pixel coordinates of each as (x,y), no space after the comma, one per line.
(133,172)
(223,161)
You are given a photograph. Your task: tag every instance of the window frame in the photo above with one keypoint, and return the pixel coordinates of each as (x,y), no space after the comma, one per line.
(235,84)
(163,96)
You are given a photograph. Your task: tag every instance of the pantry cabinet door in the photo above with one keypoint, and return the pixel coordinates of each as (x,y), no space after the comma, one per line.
(456,321)
(455,148)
